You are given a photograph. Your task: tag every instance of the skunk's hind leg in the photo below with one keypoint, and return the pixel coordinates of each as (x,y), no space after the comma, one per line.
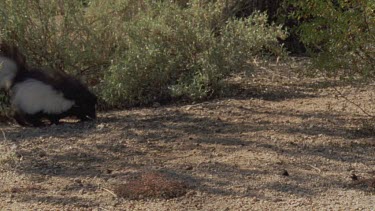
(20,119)
(35,120)
(54,119)
(28,119)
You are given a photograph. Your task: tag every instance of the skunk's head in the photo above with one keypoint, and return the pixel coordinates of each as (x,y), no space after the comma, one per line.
(87,104)
(84,100)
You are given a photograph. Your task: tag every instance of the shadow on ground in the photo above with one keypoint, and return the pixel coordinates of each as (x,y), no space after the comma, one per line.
(220,148)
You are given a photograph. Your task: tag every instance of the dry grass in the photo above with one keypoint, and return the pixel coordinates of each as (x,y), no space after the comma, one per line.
(152,185)
(232,153)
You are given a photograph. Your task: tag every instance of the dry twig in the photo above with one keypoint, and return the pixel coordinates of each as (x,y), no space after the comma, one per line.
(316,168)
(5,138)
(111,192)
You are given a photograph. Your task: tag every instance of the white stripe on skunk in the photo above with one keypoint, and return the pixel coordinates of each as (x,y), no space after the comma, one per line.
(8,69)
(33,96)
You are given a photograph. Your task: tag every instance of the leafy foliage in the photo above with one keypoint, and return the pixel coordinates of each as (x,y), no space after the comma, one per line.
(340,34)
(135,52)
(185,52)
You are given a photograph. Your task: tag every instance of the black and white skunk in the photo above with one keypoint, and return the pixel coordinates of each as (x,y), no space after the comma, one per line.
(37,95)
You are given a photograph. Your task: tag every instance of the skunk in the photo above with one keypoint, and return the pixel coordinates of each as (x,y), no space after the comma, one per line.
(38,95)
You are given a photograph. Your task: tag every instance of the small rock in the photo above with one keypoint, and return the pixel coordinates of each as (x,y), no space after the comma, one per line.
(100,126)
(354,177)
(277,200)
(156,105)
(42,154)
(372,183)
(79,181)
(285,173)
(191,193)
(189,167)
(279,162)
(255,199)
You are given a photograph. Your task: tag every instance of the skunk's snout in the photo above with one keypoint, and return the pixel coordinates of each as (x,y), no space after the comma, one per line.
(91,114)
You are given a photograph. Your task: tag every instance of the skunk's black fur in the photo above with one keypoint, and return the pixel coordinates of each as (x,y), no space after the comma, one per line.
(61,86)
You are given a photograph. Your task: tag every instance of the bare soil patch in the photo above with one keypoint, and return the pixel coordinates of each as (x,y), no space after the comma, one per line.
(277,141)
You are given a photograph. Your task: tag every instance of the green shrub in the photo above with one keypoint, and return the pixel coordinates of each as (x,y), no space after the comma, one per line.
(57,35)
(139,51)
(185,52)
(340,35)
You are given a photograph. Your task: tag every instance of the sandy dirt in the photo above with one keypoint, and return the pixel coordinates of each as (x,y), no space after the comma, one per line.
(277,141)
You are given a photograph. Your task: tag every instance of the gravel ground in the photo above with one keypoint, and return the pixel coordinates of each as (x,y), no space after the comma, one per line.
(277,141)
